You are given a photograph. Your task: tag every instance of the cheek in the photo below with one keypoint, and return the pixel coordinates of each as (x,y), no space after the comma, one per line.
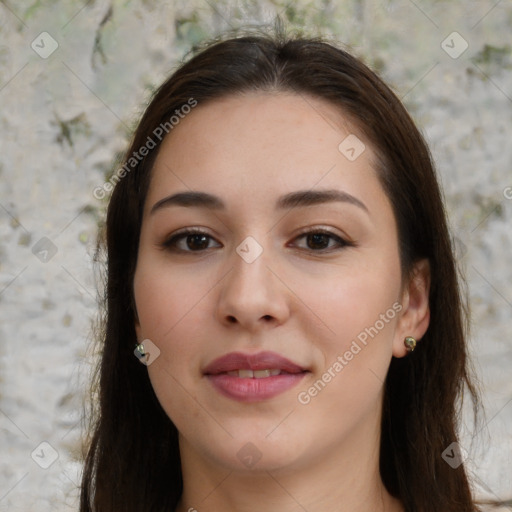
(353,299)
(171,311)
(166,300)
(356,352)
(172,315)
(359,309)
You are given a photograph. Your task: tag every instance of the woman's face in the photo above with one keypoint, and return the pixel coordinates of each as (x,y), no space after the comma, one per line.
(293,255)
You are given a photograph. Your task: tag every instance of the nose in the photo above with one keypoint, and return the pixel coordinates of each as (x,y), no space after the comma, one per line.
(252,296)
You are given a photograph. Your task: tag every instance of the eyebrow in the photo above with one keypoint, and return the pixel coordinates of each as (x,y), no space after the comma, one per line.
(300,198)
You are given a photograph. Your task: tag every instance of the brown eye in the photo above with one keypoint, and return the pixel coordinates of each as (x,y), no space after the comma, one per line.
(190,241)
(321,241)
(197,242)
(318,240)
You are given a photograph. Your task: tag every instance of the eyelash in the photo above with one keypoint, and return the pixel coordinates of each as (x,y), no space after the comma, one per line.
(171,243)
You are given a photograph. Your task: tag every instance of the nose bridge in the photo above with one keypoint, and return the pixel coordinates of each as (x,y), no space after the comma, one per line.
(250,274)
(250,293)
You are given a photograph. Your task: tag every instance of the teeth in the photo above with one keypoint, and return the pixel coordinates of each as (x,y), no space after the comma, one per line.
(260,374)
(254,374)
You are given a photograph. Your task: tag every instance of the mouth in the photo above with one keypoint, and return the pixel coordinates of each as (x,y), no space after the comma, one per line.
(253,377)
(255,374)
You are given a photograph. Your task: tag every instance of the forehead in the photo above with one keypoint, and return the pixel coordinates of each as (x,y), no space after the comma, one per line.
(259,145)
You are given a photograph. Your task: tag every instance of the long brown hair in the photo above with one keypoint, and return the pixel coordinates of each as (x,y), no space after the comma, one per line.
(133,460)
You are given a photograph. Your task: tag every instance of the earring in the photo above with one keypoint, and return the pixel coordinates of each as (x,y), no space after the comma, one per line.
(410,343)
(139,351)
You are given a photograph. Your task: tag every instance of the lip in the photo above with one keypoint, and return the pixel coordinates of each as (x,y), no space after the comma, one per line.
(253,389)
(260,361)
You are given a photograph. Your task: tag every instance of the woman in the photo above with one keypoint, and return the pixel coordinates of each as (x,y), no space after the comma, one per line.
(279,260)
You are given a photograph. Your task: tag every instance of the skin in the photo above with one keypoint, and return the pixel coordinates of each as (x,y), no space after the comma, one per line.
(306,304)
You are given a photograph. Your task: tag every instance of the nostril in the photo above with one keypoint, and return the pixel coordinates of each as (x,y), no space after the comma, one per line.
(267,317)
(231,319)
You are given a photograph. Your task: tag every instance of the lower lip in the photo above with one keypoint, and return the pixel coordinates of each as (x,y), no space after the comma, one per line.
(254,390)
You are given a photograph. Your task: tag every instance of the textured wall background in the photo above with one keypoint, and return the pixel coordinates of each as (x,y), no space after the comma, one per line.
(74,77)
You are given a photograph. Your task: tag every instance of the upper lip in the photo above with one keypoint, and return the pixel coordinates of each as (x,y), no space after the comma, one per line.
(261,361)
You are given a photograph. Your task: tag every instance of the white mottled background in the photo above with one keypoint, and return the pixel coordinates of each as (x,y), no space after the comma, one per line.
(65,116)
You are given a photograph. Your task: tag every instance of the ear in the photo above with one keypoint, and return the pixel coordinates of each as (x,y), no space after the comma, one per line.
(415,314)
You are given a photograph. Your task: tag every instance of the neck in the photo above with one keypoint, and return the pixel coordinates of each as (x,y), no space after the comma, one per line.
(342,479)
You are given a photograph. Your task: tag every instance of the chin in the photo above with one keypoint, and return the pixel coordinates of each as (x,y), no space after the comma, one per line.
(253,450)
(255,457)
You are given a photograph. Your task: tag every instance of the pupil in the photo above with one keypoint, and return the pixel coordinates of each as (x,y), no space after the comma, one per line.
(318,241)
(196,242)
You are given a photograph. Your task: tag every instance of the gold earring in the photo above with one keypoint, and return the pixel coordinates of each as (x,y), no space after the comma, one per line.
(410,343)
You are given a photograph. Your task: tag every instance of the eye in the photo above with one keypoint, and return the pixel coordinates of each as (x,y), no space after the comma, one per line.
(321,240)
(195,240)
(192,240)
